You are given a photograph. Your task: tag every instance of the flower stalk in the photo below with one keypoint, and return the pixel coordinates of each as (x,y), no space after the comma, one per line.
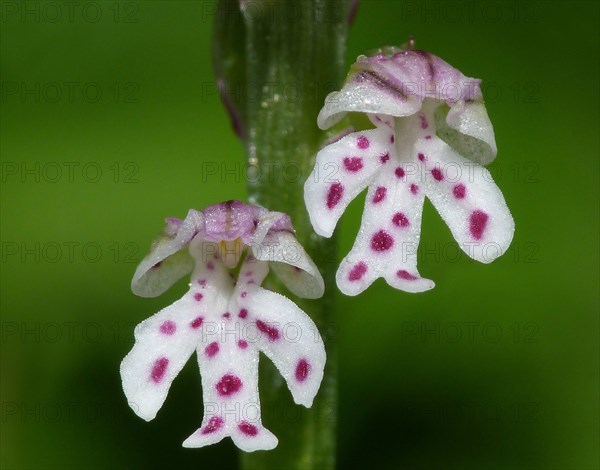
(285,57)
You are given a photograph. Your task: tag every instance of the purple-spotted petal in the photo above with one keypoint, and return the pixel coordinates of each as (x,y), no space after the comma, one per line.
(228,360)
(228,357)
(165,341)
(167,261)
(290,339)
(342,171)
(386,245)
(469,202)
(291,264)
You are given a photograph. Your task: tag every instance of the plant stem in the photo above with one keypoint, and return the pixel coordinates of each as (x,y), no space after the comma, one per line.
(294,56)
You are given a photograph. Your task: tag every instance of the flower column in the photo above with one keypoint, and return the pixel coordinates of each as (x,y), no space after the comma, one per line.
(292,54)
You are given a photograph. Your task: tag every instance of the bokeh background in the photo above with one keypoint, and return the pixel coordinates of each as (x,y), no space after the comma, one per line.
(110,122)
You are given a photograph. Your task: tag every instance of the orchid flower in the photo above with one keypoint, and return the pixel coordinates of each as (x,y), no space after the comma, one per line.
(227,319)
(431,137)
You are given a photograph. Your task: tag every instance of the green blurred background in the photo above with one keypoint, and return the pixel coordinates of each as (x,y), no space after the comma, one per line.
(110,122)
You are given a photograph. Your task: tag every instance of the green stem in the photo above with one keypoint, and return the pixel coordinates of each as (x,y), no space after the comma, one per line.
(294,56)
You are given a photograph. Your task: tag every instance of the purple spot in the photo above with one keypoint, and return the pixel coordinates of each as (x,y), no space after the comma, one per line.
(210,265)
(459,191)
(477,223)
(242,344)
(227,315)
(157,265)
(302,370)
(197,323)
(248,429)
(353,164)
(379,195)
(334,195)
(392,138)
(212,349)
(428,137)
(357,272)
(248,273)
(362,142)
(421,157)
(384,158)
(214,424)
(271,331)
(424,123)
(437,174)
(202,282)
(228,385)
(243,313)
(400,220)
(158,369)
(399,172)
(243,294)
(198,296)
(381,241)
(168,327)
(403,274)
(414,188)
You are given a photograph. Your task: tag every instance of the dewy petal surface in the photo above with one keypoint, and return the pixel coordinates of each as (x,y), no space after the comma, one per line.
(228,321)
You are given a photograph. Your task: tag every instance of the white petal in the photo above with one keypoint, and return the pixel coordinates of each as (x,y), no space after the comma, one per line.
(163,344)
(167,261)
(468,200)
(289,338)
(468,130)
(386,245)
(291,264)
(342,171)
